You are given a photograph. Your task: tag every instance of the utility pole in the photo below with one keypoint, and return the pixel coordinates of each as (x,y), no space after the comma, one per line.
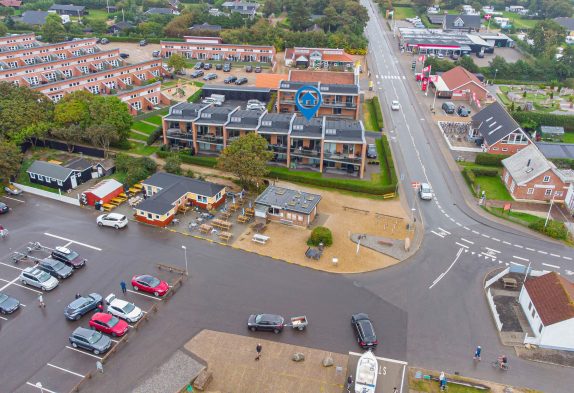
(549,210)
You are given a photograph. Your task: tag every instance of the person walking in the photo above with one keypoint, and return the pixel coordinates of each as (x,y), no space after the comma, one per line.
(41,301)
(349,383)
(442,381)
(258,348)
(477,353)
(123,286)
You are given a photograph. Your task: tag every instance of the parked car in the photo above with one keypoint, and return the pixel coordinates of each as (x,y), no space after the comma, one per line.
(109,324)
(480,55)
(226,67)
(440,55)
(255,107)
(248,68)
(114,220)
(364,330)
(463,111)
(210,101)
(371,151)
(8,304)
(258,70)
(425,192)
(123,309)
(143,43)
(69,257)
(230,79)
(219,66)
(156,53)
(207,66)
(198,65)
(269,322)
(210,76)
(241,81)
(395,105)
(38,278)
(82,305)
(12,189)
(197,73)
(150,284)
(91,340)
(448,107)
(55,268)
(4,208)
(454,56)
(124,55)
(104,41)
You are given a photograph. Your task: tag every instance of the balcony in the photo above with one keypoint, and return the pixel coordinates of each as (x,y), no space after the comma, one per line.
(210,138)
(305,152)
(340,157)
(277,148)
(338,104)
(176,133)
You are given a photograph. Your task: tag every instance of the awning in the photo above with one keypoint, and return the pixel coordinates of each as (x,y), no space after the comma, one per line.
(440,85)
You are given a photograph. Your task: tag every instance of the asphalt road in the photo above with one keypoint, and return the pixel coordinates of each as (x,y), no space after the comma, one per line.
(226,285)
(441,287)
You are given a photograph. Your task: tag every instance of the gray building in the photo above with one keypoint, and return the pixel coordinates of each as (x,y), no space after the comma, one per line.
(287,206)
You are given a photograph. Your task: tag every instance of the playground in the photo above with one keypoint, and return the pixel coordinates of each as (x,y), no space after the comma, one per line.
(179,90)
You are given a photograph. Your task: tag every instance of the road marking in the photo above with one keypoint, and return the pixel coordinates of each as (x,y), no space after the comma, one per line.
(73,241)
(459,224)
(475,232)
(438,234)
(552,266)
(452,219)
(444,230)
(447,270)
(568,258)
(14,199)
(530,249)
(446,215)
(12,266)
(67,244)
(467,228)
(487,255)
(516,263)
(44,389)
(504,242)
(485,235)
(10,283)
(462,245)
(143,294)
(85,353)
(555,255)
(518,245)
(522,259)
(495,239)
(4,318)
(493,250)
(22,286)
(66,370)
(542,252)
(465,240)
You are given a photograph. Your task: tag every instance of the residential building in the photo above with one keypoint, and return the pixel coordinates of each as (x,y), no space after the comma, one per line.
(340,93)
(21,54)
(447,43)
(68,9)
(567,23)
(548,303)
(18,41)
(11,3)
(318,58)
(500,133)
(460,84)
(287,206)
(556,150)
(528,175)
(204,28)
(64,177)
(242,7)
(344,147)
(467,23)
(275,128)
(569,200)
(497,39)
(161,11)
(306,144)
(167,194)
(119,27)
(34,18)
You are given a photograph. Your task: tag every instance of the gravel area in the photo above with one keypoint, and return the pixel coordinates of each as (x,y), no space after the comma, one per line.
(563,358)
(507,309)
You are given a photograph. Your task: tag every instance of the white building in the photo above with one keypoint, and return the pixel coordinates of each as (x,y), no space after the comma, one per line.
(548,302)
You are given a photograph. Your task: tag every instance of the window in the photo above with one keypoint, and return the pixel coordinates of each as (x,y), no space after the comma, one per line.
(504,149)
(298,127)
(558,193)
(60,183)
(157,216)
(506,177)
(218,196)
(266,123)
(533,313)
(495,148)
(150,216)
(540,328)
(548,192)
(546,179)
(32,176)
(529,306)
(336,111)
(40,177)
(202,199)
(530,191)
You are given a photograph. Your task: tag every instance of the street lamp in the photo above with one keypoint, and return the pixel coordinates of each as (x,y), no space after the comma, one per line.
(185,253)
(495,71)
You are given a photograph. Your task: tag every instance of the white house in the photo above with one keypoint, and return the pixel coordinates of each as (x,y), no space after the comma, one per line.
(548,302)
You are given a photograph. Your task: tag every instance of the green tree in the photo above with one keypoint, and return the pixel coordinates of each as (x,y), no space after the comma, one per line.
(468,63)
(102,135)
(98,26)
(246,158)
(173,164)
(109,110)
(53,30)
(74,109)
(150,29)
(10,162)
(3,29)
(69,134)
(177,62)
(299,16)
(546,34)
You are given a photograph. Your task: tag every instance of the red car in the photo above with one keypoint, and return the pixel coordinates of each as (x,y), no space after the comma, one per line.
(109,324)
(150,284)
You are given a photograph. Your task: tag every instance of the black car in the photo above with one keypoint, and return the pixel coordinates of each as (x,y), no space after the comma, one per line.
(91,340)
(248,69)
(143,43)
(241,81)
(448,107)
(69,257)
(230,79)
(4,208)
(269,322)
(364,330)
(207,66)
(210,76)
(198,65)
(219,66)
(197,73)
(463,111)
(82,305)
(55,268)
(103,41)
(258,70)
(156,53)
(8,304)
(226,67)
(124,55)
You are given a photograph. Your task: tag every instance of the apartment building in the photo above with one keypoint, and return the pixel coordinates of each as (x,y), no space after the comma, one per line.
(18,41)
(326,58)
(20,53)
(321,144)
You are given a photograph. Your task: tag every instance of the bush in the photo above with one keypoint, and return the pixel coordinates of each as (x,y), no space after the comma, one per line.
(554,229)
(173,164)
(320,235)
(489,159)
(154,136)
(386,159)
(271,102)
(563,163)
(544,119)
(378,113)
(488,172)
(135,168)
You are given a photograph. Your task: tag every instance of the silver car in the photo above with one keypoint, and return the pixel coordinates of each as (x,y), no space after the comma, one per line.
(425,192)
(38,278)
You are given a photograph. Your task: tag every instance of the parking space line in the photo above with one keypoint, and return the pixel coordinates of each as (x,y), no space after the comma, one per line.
(65,370)
(516,264)
(508,243)
(438,234)
(44,389)
(4,318)
(12,266)
(444,230)
(552,266)
(67,244)
(568,258)
(530,249)
(73,241)
(10,283)
(143,294)
(85,353)
(461,245)
(14,199)
(114,341)
(22,286)
(465,240)
(555,255)
(493,250)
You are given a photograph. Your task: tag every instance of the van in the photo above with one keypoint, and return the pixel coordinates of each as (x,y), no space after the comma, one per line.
(448,107)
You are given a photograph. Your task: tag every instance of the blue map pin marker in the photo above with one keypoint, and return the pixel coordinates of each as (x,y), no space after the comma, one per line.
(308,100)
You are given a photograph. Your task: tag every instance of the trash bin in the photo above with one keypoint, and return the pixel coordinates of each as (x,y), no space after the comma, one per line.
(98,205)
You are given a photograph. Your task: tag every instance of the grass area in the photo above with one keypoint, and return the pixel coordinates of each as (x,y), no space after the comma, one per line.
(169,84)
(97,15)
(433,387)
(139,137)
(119,176)
(234,64)
(493,187)
(369,117)
(24,179)
(524,217)
(405,12)
(518,22)
(138,148)
(155,120)
(143,127)
(504,99)
(568,137)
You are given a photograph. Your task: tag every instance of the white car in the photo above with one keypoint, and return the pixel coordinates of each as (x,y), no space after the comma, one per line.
(425,192)
(395,105)
(38,278)
(114,220)
(122,309)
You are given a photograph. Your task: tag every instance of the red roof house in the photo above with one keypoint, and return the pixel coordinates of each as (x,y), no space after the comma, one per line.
(460,84)
(102,192)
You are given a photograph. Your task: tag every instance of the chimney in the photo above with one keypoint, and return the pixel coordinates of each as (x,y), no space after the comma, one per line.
(528,163)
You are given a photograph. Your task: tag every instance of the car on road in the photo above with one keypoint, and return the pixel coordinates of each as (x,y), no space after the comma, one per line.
(395,105)
(258,70)
(219,66)
(248,68)
(197,73)
(143,43)
(8,304)
(448,107)
(198,65)
(4,208)
(269,322)
(114,220)
(210,76)
(463,111)
(123,309)
(12,189)
(241,81)
(371,151)
(124,55)
(227,67)
(364,330)
(109,324)
(69,257)
(55,268)
(38,278)
(91,340)
(156,53)
(207,66)
(83,305)
(425,192)
(150,284)
(230,79)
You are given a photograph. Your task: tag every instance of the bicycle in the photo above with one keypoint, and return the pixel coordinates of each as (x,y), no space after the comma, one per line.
(4,233)
(500,365)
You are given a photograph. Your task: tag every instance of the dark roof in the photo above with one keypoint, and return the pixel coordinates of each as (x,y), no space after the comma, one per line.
(68,7)
(552,296)
(123,25)
(307,128)
(184,111)
(174,187)
(215,115)
(210,88)
(323,87)
(34,17)
(162,11)
(50,170)
(205,27)
(79,164)
(344,130)
(436,19)
(288,199)
(556,150)
(280,123)
(567,23)
(494,123)
(245,119)
(552,130)
(469,22)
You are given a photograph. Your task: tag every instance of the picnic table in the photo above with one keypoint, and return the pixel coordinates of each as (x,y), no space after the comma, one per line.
(225,215)
(225,236)
(107,207)
(233,207)
(224,225)
(134,201)
(257,238)
(205,228)
(250,212)
(242,219)
(259,227)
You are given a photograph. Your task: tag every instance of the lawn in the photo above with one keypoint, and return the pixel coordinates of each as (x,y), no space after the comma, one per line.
(97,15)
(433,387)
(493,187)
(139,137)
(504,99)
(138,148)
(143,127)
(24,179)
(404,12)
(369,117)
(525,217)
(568,137)
(155,120)
(518,22)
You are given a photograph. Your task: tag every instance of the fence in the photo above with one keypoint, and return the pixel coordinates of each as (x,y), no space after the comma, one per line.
(48,194)
(490,299)
(57,145)
(496,277)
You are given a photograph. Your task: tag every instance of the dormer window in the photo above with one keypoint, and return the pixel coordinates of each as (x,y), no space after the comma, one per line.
(298,127)
(459,22)
(236,119)
(176,112)
(206,115)
(330,131)
(266,123)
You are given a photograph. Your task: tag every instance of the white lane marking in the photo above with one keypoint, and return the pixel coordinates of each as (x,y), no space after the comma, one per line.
(505,242)
(475,232)
(459,224)
(568,258)
(10,283)
(495,239)
(487,255)
(467,228)
(465,240)
(65,370)
(522,259)
(485,235)
(446,215)
(4,318)
(518,245)
(67,244)
(12,266)
(143,294)
(447,270)
(14,199)
(552,266)
(542,252)
(44,389)
(85,353)
(555,255)
(438,234)
(462,245)
(444,230)
(517,264)
(22,286)
(493,250)
(73,241)
(452,219)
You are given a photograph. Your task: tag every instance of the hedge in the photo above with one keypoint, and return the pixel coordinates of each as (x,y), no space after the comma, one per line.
(489,159)
(138,39)
(378,112)
(517,82)
(470,174)
(271,103)
(545,119)
(154,136)
(387,164)
(187,158)
(554,229)
(563,163)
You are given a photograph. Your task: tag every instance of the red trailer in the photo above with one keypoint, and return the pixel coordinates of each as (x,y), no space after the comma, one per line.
(104,192)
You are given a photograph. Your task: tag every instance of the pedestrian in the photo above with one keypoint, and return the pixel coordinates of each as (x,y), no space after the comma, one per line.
(41,301)
(442,381)
(78,295)
(477,353)
(123,286)
(258,348)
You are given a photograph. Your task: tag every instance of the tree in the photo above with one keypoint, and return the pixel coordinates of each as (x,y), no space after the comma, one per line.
(98,26)
(177,62)
(70,135)
(102,135)
(3,29)
(53,29)
(109,110)
(173,164)
(546,34)
(246,158)
(10,162)
(468,63)
(74,109)
(299,16)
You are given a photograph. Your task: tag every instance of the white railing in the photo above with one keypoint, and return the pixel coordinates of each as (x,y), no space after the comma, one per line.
(48,194)
(490,299)
(496,278)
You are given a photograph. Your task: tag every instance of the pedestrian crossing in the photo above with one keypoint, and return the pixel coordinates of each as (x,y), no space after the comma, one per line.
(391,77)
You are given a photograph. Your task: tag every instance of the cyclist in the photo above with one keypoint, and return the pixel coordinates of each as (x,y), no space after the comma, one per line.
(503,361)
(477,353)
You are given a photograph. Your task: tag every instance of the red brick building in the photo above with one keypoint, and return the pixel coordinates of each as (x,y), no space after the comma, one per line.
(325,58)
(528,175)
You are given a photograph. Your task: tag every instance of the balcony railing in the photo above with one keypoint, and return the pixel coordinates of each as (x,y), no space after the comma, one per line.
(277,148)
(333,104)
(340,157)
(209,138)
(177,133)
(305,152)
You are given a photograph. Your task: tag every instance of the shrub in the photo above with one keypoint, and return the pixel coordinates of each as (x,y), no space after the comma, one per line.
(173,164)
(378,113)
(154,136)
(271,102)
(563,163)
(488,172)
(544,119)
(320,235)
(489,159)
(554,229)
